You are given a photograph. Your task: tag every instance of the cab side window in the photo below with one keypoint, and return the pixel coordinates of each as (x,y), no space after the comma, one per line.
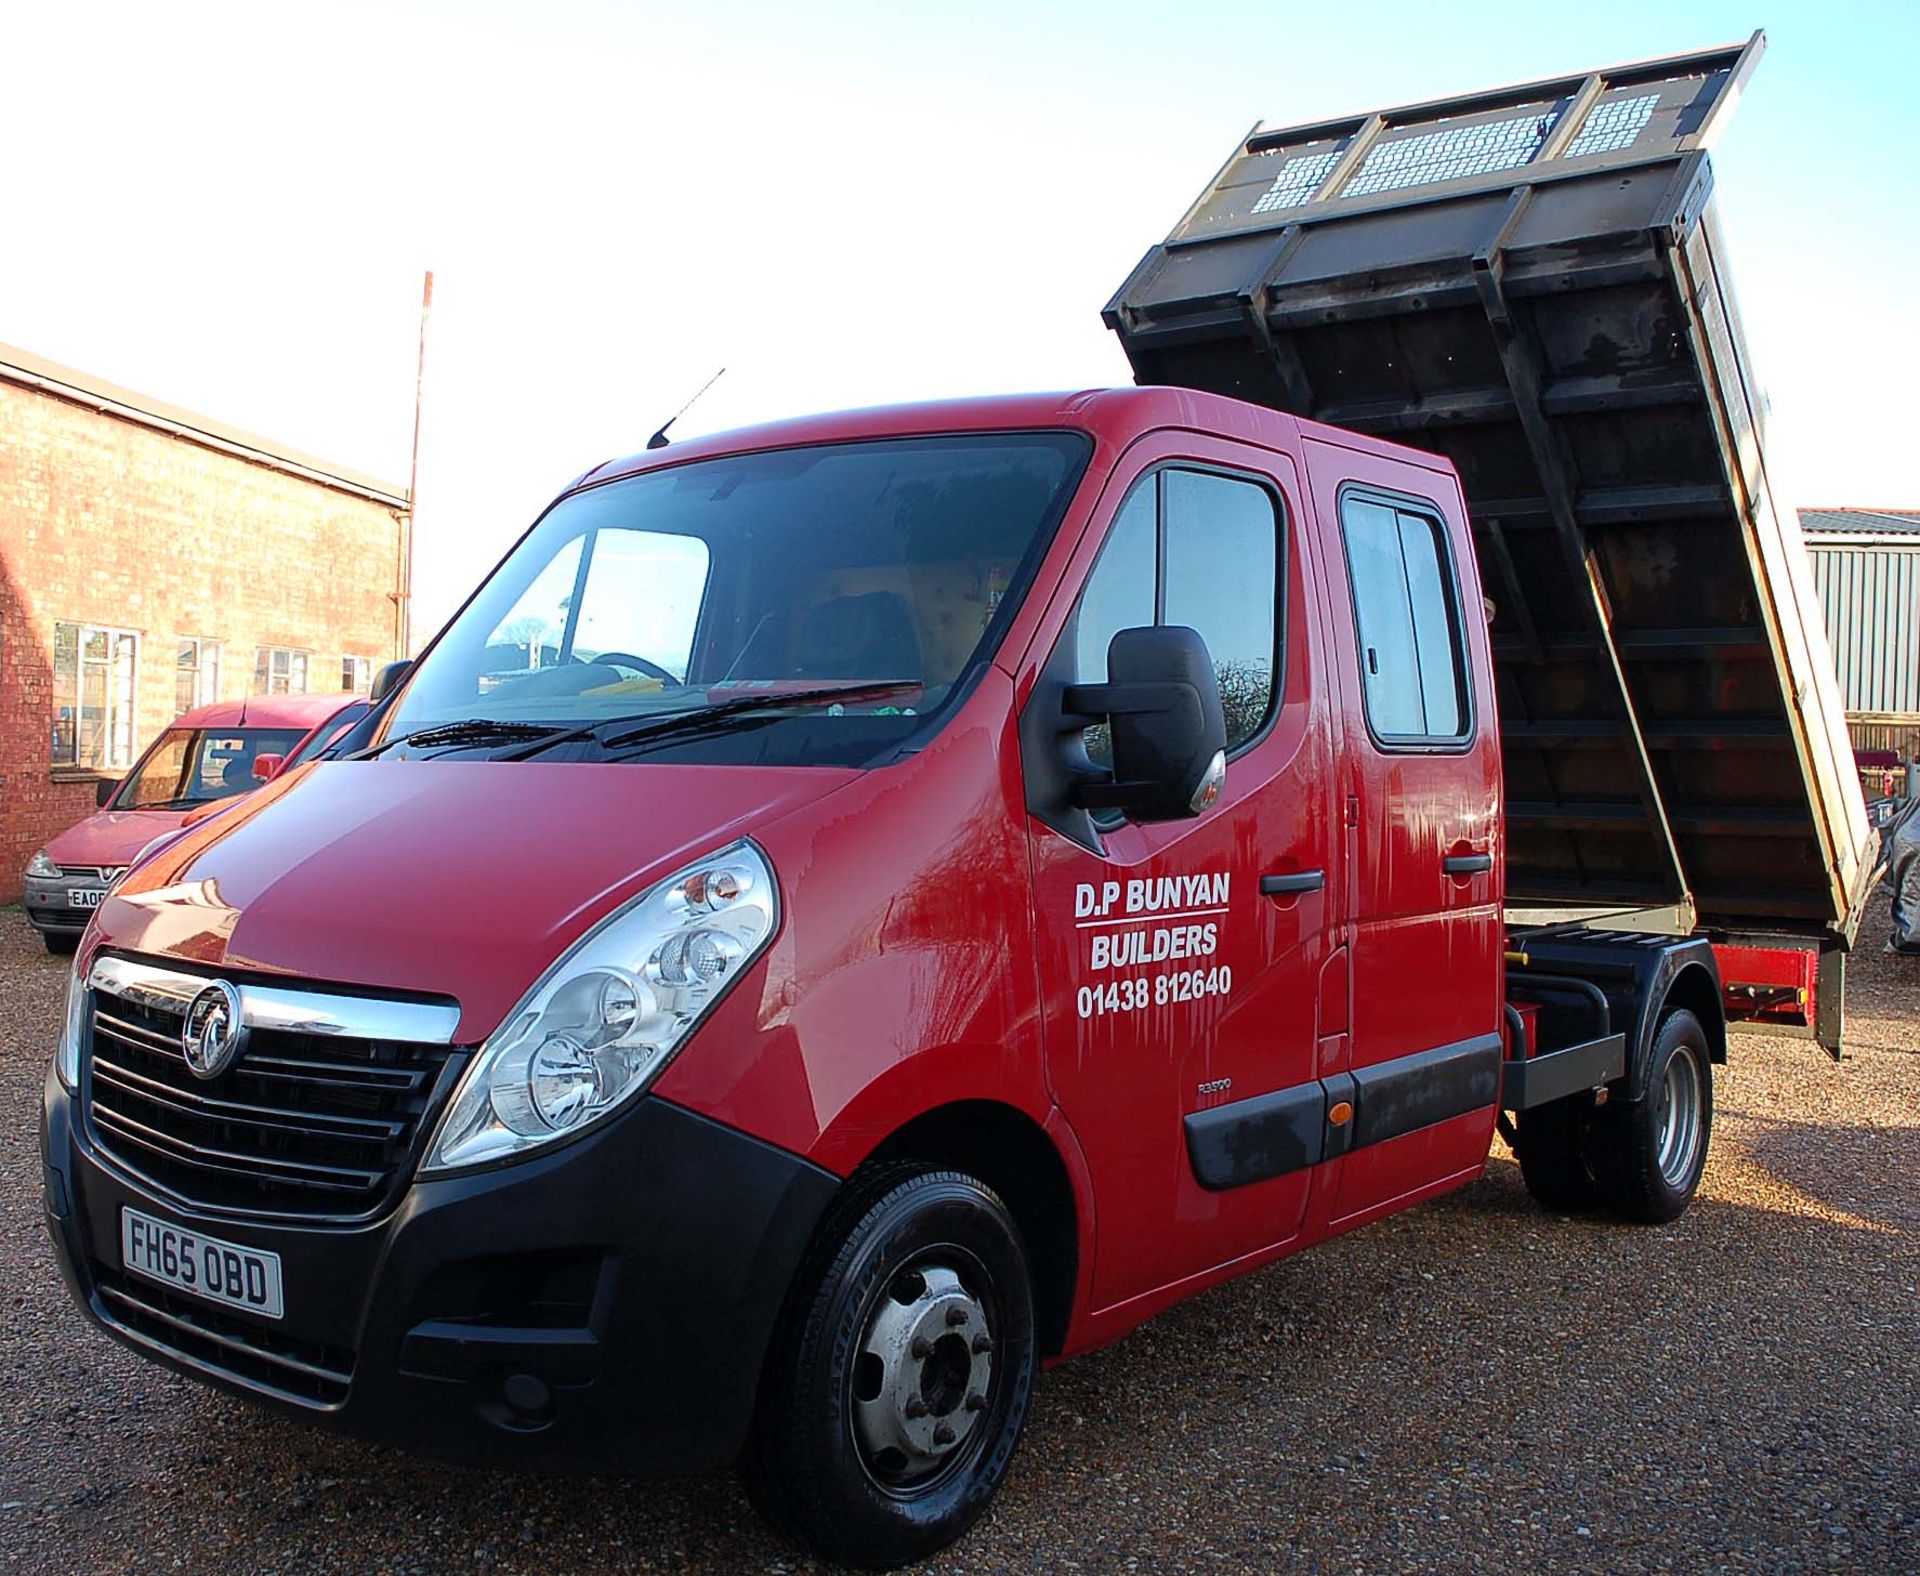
(1413,665)
(1195,548)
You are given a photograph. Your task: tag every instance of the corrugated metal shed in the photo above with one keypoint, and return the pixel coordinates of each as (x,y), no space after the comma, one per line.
(1866,564)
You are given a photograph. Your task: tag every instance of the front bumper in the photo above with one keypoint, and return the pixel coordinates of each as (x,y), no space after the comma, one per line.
(50,908)
(603,1308)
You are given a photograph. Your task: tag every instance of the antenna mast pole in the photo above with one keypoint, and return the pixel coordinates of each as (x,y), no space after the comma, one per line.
(405,597)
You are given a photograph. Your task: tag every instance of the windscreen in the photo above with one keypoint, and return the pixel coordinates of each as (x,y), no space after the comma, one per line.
(189,766)
(892,562)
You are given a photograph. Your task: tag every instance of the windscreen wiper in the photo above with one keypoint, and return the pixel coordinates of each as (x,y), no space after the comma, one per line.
(700,717)
(474,730)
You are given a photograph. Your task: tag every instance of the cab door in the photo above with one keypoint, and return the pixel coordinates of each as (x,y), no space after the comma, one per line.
(1421,770)
(1173,986)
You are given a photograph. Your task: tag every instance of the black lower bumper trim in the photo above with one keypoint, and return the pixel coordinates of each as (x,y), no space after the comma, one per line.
(603,1308)
(219,1347)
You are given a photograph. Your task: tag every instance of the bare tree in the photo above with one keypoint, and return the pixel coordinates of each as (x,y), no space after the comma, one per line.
(529,632)
(1246,691)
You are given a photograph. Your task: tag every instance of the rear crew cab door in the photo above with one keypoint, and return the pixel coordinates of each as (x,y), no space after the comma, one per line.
(1170,984)
(1420,770)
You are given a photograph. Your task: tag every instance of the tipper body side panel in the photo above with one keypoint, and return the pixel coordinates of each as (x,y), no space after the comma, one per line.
(1532,282)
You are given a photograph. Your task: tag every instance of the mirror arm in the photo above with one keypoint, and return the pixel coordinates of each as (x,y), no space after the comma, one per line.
(1128,700)
(1109,795)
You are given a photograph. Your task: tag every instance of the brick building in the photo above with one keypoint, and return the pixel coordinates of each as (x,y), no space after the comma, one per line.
(152,560)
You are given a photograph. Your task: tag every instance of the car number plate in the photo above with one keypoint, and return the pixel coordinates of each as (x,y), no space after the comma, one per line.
(205,1266)
(85,897)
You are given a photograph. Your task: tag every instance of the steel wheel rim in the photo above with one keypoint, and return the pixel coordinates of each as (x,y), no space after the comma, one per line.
(924,1373)
(1680,1117)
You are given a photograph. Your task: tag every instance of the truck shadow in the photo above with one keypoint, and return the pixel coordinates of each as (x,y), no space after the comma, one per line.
(1268,1388)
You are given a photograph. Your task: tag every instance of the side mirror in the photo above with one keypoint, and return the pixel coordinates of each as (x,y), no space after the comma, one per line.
(103,790)
(387,680)
(1169,733)
(267,767)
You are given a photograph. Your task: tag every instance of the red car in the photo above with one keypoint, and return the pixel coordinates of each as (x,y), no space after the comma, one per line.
(208,756)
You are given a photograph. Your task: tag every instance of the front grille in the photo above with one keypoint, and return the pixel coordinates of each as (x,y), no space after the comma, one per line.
(263,1359)
(301,1124)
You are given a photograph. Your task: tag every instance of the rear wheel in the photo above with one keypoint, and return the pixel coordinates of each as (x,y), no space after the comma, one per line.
(61,943)
(1550,1144)
(898,1384)
(1648,1154)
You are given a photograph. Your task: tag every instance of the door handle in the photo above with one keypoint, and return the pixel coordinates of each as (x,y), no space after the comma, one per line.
(1293,882)
(1466,864)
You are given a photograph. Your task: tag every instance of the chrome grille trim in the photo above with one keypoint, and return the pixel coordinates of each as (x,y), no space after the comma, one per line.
(277,1007)
(320,1117)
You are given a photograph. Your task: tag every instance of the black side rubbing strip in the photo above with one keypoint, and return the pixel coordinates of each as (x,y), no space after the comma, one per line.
(1416,1091)
(1252,1140)
(1269,1135)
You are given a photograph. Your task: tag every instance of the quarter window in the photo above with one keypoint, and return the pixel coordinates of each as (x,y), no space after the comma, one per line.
(1200,549)
(279,671)
(93,696)
(1412,655)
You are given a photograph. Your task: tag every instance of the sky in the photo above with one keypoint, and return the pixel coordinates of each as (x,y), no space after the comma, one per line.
(231,207)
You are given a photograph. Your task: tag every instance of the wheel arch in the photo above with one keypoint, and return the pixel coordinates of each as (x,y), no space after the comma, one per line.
(1642,976)
(1695,988)
(1014,1155)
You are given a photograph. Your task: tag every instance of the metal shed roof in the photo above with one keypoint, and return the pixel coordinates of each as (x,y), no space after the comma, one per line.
(1866,522)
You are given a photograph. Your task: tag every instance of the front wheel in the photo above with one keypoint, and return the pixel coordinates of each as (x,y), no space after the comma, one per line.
(61,943)
(897,1388)
(1648,1154)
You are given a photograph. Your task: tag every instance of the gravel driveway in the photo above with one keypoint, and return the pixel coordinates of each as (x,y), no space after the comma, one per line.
(1474,1385)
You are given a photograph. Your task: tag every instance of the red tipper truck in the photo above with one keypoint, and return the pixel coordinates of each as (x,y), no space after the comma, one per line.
(852,911)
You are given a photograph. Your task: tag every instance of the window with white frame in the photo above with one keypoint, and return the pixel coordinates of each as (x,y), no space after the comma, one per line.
(279,670)
(196,674)
(356,675)
(93,696)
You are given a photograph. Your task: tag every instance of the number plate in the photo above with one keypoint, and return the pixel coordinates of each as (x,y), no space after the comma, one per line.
(205,1266)
(85,897)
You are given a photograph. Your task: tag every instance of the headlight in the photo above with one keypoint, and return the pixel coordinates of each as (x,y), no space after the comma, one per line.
(606,1018)
(66,1056)
(43,867)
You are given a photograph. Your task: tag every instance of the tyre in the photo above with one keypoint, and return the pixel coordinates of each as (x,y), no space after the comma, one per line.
(61,943)
(1550,1144)
(898,1381)
(1648,1154)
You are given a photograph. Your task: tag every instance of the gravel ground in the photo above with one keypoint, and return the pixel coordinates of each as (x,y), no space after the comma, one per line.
(1471,1385)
